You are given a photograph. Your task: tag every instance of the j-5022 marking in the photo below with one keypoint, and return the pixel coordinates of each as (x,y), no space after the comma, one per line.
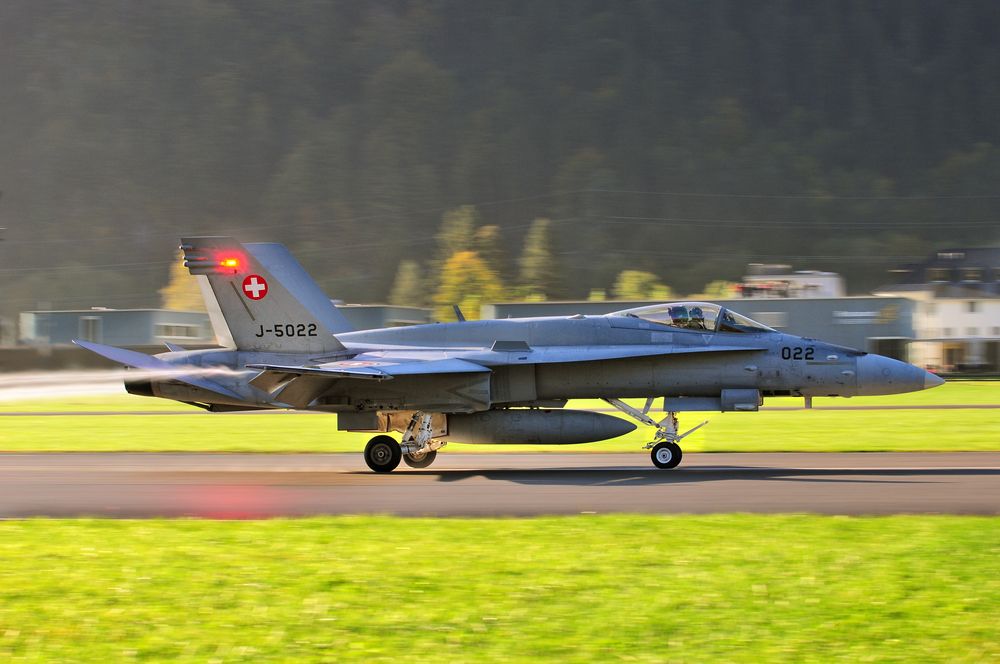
(288,330)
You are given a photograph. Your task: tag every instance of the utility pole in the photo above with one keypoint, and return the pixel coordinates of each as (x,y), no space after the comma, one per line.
(3,321)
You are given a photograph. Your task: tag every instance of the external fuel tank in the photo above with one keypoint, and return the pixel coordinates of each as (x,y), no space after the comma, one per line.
(534,427)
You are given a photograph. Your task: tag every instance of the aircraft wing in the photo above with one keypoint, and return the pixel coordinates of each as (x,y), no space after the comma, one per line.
(131,358)
(364,369)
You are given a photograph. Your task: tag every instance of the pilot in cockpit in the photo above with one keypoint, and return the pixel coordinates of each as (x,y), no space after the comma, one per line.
(697,321)
(679,316)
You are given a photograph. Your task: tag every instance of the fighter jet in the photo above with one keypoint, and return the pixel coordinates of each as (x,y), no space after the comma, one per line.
(286,346)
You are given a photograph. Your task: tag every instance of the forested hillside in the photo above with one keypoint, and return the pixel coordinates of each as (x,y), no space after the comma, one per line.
(679,138)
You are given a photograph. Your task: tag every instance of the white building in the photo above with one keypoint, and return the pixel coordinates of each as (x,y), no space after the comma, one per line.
(957,318)
(764,280)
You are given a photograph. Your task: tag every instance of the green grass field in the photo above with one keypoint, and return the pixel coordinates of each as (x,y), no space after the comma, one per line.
(952,393)
(774,430)
(633,588)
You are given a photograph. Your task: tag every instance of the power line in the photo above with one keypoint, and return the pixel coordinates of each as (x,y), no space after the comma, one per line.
(345,220)
(805,225)
(122,267)
(840,258)
(333,249)
(538,197)
(817,197)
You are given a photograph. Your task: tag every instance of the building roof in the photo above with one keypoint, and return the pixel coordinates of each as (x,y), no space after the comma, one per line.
(955,273)
(104,310)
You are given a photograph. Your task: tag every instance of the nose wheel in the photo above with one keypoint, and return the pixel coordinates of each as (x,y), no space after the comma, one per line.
(666,455)
(665,451)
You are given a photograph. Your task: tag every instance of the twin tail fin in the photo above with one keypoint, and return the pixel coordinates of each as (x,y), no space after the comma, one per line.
(261,299)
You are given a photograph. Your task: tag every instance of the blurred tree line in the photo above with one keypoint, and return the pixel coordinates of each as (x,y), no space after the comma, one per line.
(674,139)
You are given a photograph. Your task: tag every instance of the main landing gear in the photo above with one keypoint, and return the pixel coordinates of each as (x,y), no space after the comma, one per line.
(382,454)
(418,449)
(664,449)
(420,459)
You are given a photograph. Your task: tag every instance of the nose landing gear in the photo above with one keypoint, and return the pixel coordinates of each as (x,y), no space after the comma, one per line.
(665,451)
(666,455)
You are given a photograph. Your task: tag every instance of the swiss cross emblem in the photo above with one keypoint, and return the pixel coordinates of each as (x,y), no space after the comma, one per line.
(255,287)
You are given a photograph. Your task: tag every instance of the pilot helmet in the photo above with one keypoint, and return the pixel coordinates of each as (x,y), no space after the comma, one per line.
(697,314)
(679,314)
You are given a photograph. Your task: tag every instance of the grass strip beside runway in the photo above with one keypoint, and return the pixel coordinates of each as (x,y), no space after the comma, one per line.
(726,587)
(955,392)
(775,431)
(766,431)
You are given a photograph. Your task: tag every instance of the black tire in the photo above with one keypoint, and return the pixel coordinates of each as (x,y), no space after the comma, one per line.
(420,460)
(382,454)
(666,455)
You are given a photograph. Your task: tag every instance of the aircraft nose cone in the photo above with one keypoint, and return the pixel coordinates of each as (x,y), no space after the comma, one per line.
(932,380)
(878,374)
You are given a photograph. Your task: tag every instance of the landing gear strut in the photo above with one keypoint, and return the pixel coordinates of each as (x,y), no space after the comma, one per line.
(665,451)
(418,449)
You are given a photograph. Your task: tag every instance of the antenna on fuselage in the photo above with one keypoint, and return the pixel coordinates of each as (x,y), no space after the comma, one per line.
(458,313)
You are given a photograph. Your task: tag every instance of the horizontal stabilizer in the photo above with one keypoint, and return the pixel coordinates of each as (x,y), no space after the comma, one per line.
(134,359)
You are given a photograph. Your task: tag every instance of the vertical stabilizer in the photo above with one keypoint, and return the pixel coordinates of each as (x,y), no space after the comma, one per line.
(264,297)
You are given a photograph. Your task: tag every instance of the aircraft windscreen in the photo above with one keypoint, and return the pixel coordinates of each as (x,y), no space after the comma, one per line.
(734,322)
(697,316)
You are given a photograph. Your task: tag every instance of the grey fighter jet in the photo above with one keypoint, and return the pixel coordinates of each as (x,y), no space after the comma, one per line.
(491,381)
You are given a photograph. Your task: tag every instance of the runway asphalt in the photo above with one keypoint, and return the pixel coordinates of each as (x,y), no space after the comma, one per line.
(273,485)
(189,411)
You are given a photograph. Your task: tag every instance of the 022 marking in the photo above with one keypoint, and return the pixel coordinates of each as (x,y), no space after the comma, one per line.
(797,353)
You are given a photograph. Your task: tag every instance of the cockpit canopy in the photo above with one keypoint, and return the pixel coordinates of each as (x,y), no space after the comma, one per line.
(697,316)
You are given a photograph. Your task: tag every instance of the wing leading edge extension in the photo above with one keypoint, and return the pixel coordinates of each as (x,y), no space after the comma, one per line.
(302,384)
(271,374)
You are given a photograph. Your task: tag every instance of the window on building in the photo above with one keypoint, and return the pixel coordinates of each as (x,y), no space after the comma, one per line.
(946,332)
(972,331)
(972,306)
(972,274)
(996,331)
(894,348)
(91,328)
(178,331)
(939,274)
(996,274)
